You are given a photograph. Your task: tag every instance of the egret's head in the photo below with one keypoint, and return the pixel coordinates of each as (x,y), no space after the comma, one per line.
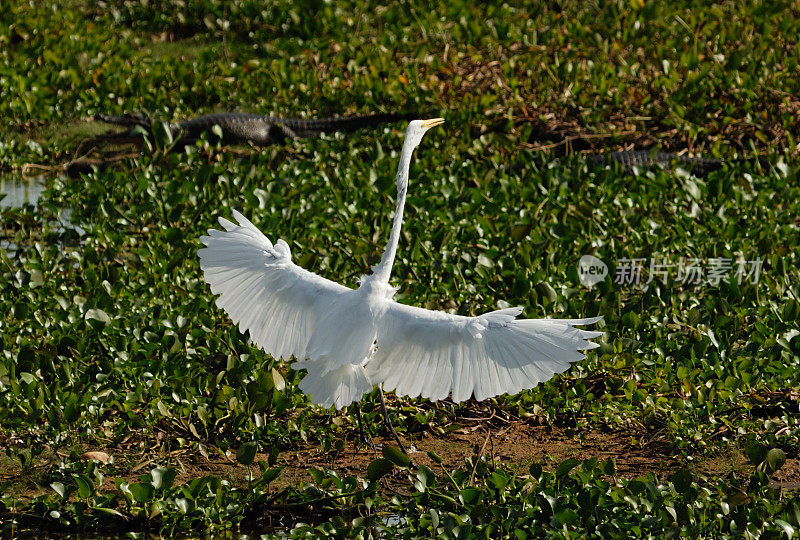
(417,128)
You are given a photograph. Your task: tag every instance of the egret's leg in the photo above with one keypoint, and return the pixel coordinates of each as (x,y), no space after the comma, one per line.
(362,434)
(389,423)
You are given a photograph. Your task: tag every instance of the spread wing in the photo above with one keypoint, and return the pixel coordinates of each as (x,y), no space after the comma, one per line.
(433,354)
(263,291)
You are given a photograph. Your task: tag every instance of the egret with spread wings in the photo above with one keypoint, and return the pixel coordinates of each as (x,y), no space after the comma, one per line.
(351,339)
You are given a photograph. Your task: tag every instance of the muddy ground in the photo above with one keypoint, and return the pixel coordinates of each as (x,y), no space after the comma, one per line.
(515,443)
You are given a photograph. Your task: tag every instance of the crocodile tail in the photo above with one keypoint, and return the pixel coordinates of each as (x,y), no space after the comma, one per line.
(127,119)
(342,123)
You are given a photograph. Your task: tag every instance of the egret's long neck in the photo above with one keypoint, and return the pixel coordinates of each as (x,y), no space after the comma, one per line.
(383,269)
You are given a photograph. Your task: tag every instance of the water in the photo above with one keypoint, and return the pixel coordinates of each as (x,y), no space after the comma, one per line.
(19,191)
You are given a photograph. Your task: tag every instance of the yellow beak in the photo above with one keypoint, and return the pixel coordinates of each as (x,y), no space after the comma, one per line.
(433,122)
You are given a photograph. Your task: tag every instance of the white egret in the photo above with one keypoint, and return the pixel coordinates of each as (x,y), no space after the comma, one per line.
(351,339)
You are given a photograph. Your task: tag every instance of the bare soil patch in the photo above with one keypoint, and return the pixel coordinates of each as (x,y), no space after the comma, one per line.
(516,444)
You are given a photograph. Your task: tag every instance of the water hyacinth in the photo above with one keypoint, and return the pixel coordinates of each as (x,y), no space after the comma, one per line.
(682,421)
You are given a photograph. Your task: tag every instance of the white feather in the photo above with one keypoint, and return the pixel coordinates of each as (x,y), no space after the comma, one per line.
(509,355)
(337,388)
(331,329)
(281,305)
(349,339)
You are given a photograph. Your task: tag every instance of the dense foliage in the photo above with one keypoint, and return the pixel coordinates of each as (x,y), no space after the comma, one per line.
(110,339)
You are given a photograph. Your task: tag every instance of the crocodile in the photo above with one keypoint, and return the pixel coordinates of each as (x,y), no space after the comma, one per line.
(631,160)
(235,127)
(244,128)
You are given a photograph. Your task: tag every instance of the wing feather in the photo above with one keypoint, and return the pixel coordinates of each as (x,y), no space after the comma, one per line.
(540,371)
(263,291)
(462,389)
(507,378)
(433,354)
(408,376)
(480,385)
(431,388)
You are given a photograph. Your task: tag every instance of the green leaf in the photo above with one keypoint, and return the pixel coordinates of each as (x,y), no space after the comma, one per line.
(277,380)
(756,452)
(317,475)
(426,477)
(609,467)
(163,477)
(396,456)
(270,474)
(84,485)
(636,487)
(379,468)
(184,505)
(59,488)
(791,311)
(787,529)
(142,492)
(71,409)
(566,516)
(566,466)
(483,260)
(163,134)
(682,480)
(434,518)
(500,479)
(36,279)
(547,292)
(470,496)
(247,453)
(109,511)
(775,459)
(518,232)
(163,409)
(20,311)
(97,315)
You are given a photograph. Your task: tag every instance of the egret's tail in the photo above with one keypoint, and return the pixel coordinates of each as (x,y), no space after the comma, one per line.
(339,387)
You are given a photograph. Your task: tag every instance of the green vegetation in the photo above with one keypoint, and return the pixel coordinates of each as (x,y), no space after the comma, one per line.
(110,340)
